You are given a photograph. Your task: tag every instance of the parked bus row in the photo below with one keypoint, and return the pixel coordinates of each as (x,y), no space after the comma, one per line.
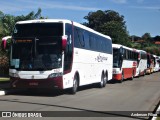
(64,54)
(130,63)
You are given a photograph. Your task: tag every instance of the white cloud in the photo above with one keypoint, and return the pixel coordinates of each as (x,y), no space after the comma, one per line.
(146,7)
(119,1)
(23,5)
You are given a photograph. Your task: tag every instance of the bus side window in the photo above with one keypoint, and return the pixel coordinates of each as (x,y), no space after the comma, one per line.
(124,54)
(86,39)
(76,38)
(69,49)
(81,37)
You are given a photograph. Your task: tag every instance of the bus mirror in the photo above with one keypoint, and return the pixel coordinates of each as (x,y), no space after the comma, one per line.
(4,42)
(121,50)
(64,42)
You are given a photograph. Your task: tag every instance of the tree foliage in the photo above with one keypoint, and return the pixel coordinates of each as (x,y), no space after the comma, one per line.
(156,38)
(147,38)
(109,22)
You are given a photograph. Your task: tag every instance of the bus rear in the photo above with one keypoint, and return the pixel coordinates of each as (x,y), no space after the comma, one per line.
(37,54)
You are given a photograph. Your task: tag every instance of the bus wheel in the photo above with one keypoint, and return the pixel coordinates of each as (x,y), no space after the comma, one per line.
(73,90)
(132,75)
(122,77)
(144,73)
(103,81)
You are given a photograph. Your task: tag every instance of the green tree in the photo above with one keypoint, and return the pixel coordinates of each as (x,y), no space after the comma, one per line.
(109,22)
(1,26)
(146,37)
(156,38)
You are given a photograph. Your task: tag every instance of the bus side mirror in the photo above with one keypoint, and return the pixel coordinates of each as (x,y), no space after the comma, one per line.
(4,42)
(121,53)
(64,42)
(121,50)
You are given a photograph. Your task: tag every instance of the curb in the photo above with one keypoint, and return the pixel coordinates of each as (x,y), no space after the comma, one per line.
(158,112)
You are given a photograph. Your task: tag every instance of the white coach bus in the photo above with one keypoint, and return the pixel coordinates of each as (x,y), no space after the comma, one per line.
(156,63)
(142,63)
(60,54)
(124,62)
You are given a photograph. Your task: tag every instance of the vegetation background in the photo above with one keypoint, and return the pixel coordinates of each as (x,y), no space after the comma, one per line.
(108,22)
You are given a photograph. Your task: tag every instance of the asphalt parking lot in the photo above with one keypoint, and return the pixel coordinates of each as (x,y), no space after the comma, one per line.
(116,99)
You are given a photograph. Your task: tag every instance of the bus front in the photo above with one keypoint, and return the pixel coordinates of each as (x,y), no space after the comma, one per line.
(117,63)
(36,55)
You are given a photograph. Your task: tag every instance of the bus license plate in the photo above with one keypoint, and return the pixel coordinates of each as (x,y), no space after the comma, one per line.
(33,83)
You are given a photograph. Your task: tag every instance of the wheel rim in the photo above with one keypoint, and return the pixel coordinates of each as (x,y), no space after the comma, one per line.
(105,80)
(75,85)
(102,81)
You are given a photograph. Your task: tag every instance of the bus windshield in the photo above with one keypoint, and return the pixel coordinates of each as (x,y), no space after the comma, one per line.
(116,57)
(37,46)
(38,30)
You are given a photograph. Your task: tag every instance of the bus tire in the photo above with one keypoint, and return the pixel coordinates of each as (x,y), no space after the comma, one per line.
(102,83)
(132,75)
(74,89)
(122,79)
(106,78)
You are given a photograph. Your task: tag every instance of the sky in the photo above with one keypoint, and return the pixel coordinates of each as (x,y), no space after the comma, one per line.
(141,16)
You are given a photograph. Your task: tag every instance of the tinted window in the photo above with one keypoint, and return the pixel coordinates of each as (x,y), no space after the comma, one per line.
(79,38)
(91,41)
(69,48)
(38,29)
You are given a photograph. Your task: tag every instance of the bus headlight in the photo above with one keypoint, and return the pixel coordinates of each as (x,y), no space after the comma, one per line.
(115,72)
(14,75)
(55,75)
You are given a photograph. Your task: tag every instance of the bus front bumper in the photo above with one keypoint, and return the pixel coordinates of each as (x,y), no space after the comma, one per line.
(117,76)
(37,83)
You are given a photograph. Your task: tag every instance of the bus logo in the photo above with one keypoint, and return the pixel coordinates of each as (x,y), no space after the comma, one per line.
(101,58)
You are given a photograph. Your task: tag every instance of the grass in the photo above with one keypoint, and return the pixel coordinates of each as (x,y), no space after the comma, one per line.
(4,79)
(158,118)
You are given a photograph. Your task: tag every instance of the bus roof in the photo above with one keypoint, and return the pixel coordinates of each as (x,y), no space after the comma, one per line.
(141,51)
(118,46)
(63,21)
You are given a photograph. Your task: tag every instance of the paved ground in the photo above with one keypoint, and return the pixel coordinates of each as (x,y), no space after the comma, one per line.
(141,94)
